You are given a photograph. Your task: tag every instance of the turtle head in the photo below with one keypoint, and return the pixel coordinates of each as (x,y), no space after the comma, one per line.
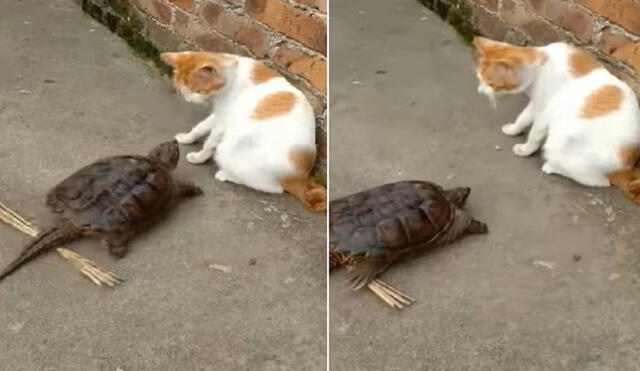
(167,153)
(458,196)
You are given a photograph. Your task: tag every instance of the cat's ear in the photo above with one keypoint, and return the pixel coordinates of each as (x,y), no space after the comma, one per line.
(482,44)
(170,58)
(207,74)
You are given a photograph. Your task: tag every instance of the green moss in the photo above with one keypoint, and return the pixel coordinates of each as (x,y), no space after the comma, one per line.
(457,13)
(320,175)
(118,19)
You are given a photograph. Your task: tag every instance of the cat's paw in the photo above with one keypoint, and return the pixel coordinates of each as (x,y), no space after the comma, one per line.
(523,150)
(510,129)
(185,138)
(197,157)
(548,169)
(221,176)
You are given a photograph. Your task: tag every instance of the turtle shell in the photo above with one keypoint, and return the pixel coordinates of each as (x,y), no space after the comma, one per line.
(112,194)
(388,220)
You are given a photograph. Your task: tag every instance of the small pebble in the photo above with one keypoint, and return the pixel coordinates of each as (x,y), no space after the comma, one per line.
(498,148)
(577,257)
(49,81)
(252,261)
(381,72)
(220,267)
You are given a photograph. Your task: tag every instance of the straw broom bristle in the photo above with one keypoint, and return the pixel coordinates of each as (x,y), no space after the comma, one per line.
(389,294)
(87,267)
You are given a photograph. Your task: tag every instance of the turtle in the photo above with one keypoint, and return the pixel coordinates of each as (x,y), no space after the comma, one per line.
(112,198)
(373,229)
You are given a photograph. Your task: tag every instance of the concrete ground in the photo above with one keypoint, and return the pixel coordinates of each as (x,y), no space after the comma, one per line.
(71,92)
(404,106)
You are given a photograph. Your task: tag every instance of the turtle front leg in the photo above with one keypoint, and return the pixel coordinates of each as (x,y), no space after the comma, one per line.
(117,243)
(187,190)
(477,227)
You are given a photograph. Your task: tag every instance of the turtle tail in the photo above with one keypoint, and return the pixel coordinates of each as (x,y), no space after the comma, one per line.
(45,241)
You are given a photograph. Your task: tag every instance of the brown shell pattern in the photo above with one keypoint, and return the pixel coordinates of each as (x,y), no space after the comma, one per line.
(112,193)
(387,221)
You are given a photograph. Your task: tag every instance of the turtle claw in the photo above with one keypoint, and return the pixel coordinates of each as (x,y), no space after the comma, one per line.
(390,295)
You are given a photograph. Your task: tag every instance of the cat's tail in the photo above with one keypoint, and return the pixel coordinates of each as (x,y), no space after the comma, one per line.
(310,192)
(628,181)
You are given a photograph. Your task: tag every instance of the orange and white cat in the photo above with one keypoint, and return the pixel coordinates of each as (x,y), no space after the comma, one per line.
(262,127)
(590,118)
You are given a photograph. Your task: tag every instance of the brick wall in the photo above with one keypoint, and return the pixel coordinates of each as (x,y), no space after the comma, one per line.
(610,29)
(289,35)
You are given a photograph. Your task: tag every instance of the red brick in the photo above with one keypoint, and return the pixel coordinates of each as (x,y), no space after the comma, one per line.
(186,5)
(190,28)
(321,143)
(317,102)
(489,4)
(621,49)
(299,25)
(566,16)
(221,19)
(156,8)
(490,25)
(541,32)
(508,6)
(514,14)
(626,13)
(235,3)
(165,38)
(631,80)
(255,37)
(313,69)
(318,4)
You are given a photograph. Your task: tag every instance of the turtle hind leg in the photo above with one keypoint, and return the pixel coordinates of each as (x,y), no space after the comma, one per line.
(117,243)
(365,271)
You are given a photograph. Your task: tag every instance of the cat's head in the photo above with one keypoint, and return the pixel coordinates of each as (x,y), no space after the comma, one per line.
(504,68)
(199,75)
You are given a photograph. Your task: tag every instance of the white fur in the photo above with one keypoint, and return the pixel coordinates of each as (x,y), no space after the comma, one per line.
(249,152)
(585,150)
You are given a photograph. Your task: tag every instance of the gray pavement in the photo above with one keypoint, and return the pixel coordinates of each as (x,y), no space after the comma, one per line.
(71,92)
(404,106)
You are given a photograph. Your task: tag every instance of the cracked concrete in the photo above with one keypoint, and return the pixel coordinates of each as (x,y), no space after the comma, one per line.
(71,93)
(554,286)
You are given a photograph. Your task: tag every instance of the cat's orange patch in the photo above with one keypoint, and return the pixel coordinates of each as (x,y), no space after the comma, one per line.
(628,179)
(601,102)
(261,73)
(302,185)
(274,105)
(629,155)
(582,63)
(302,160)
(499,62)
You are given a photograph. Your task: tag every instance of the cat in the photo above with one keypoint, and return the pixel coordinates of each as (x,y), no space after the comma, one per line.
(590,118)
(261,126)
